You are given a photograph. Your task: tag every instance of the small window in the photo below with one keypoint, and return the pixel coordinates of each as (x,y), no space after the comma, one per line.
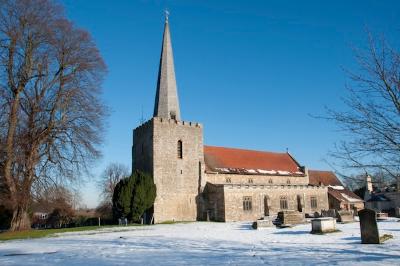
(250,180)
(288,181)
(283,203)
(247,203)
(314,203)
(270,181)
(180,152)
(228,180)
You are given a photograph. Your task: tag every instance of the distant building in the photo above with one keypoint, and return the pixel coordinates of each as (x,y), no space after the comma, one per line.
(382,200)
(198,182)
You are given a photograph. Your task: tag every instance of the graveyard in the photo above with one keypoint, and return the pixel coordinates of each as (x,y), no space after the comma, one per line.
(201,243)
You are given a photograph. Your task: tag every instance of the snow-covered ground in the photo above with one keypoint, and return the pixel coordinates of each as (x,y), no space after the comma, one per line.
(203,243)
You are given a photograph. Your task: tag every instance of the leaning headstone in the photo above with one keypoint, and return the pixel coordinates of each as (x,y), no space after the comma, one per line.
(397,212)
(345,216)
(368,227)
(323,225)
(290,218)
(262,223)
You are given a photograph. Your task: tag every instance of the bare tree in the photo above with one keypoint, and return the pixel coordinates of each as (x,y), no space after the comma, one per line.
(50,76)
(371,121)
(110,178)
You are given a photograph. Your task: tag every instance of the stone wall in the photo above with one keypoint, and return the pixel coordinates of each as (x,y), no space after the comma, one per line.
(178,180)
(214,205)
(217,178)
(142,149)
(265,195)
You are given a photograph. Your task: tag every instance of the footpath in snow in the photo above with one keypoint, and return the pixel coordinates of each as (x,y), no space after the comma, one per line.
(206,243)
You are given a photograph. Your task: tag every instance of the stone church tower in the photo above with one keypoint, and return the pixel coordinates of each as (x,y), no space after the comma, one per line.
(170,149)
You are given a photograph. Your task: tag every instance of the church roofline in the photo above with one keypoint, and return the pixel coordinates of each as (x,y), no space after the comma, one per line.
(226,160)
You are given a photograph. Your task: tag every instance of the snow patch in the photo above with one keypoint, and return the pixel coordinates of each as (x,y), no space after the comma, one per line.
(337,187)
(268,172)
(283,172)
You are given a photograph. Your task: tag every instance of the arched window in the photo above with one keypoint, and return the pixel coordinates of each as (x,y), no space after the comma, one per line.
(270,181)
(288,181)
(180,149)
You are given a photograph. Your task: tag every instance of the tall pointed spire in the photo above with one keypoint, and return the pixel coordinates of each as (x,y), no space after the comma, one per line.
(167,102)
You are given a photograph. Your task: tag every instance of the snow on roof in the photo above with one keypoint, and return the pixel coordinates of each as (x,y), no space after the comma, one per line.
(269,172)
(252,171)
(343,194)
(283,172)
(348,198)
(337,187)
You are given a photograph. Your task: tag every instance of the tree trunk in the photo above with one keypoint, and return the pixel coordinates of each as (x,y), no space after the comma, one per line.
(20,220)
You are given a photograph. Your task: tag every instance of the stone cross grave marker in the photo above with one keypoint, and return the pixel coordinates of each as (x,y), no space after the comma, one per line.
(368,227)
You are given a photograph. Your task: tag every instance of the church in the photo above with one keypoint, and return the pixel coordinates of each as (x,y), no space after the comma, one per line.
(199,182)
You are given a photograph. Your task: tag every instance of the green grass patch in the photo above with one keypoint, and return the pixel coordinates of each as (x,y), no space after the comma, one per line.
(9,235)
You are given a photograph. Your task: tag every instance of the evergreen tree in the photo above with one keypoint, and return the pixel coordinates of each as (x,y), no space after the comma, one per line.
(143,196)
(133,196)
(122,197)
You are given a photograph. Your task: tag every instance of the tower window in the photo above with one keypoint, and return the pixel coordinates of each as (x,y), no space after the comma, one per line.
(180,152)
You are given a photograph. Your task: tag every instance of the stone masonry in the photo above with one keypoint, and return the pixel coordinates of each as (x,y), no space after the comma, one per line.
(172,151)
(178,180)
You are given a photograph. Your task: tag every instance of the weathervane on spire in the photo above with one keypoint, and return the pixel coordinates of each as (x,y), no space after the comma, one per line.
(166,12)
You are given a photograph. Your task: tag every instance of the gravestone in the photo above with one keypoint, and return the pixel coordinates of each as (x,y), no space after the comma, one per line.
(290,218)
(262,223)
(368,227)
(323,225)
(345,216)
(380,216)
(329,213)
(397,212)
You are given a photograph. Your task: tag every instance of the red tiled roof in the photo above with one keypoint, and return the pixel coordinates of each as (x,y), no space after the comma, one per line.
(338,194)
(327,178)
(225,160)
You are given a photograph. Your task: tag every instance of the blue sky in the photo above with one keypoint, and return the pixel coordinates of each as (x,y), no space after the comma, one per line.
(251,71)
